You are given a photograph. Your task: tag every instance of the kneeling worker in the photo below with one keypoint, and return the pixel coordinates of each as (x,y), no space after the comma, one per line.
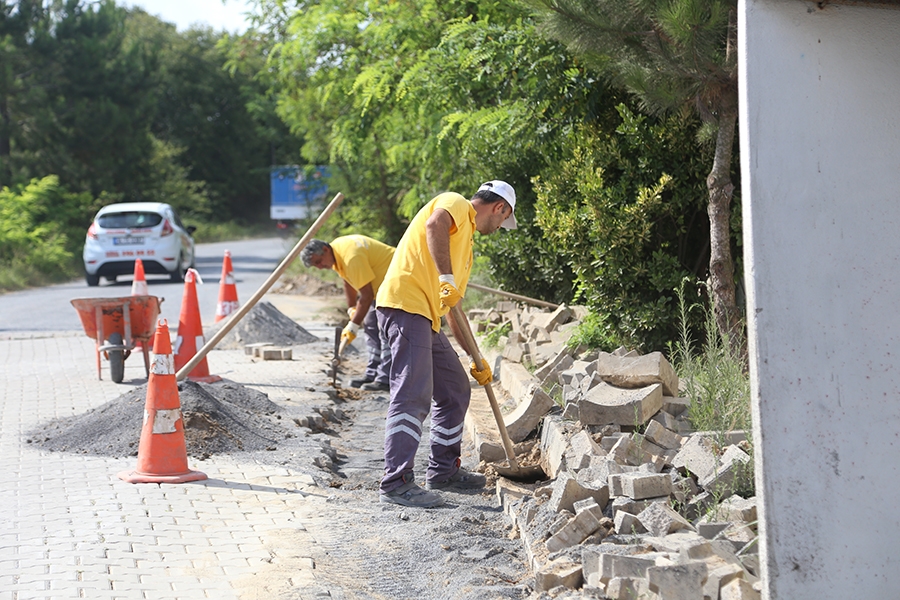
(361,262)
(427,277)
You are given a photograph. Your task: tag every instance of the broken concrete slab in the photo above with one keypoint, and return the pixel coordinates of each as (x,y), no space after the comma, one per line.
(678,582)
(526,417)
(733,471)
(661,436)
(627,588)
(562,361)
(640,486)
(697,456)
(550,321)
(639,371)
(560,572)
(554,444)
(567,491)
(582,449)
(738,589)
(661,519)
(627,524)
(517,381)
(605,404)
(576,529)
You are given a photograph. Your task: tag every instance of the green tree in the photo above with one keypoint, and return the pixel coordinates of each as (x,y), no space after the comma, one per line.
(625,208)
(671,54)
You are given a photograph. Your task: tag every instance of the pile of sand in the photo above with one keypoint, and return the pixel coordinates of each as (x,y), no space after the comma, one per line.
(263,324)
(220,417)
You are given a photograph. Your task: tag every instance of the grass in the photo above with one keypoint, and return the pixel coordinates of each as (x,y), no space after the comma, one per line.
(713,377)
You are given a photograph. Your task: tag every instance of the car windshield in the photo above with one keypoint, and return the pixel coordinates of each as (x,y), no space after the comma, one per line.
(129,219)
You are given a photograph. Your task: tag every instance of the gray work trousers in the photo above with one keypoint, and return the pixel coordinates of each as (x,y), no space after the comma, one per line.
(425,374)
(379,349)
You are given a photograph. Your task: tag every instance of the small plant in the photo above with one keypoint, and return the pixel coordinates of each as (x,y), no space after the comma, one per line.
(493,333)
(593,332)
(715,380)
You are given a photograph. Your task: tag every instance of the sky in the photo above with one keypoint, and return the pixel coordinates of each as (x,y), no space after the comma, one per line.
(220,15)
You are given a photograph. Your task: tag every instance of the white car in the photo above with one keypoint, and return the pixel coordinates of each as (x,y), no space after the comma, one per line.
(151,231)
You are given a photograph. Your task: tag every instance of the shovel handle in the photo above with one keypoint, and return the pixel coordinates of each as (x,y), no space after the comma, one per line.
(463,325)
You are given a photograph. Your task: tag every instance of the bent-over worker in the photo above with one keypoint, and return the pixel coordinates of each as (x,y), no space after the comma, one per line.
(362,263)
(428,276)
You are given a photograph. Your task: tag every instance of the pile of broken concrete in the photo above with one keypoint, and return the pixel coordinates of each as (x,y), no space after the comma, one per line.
(638,504)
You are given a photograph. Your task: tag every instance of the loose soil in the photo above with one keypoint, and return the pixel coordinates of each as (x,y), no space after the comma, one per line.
(369,550)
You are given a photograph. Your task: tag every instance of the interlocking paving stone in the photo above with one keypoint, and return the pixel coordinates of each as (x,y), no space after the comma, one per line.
(72,529)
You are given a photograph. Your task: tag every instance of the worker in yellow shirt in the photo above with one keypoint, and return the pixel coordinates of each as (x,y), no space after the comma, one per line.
(361,262)
(427,277)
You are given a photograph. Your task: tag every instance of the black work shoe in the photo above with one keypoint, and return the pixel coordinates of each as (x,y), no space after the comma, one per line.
(376,386)
(410,494)
(461,480)
(360,382)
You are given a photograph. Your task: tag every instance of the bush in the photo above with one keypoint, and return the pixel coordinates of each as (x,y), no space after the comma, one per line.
(626,210)
(42,229)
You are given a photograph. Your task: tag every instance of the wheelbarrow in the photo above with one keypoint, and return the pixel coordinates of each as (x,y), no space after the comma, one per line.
(116,325)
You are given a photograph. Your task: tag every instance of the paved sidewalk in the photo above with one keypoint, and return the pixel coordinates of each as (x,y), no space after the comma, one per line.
(70,528)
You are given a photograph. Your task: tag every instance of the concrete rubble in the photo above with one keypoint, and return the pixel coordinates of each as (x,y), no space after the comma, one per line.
(637,504)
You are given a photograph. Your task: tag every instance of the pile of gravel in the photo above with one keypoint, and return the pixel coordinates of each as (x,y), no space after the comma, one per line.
(263,324)
(219,418)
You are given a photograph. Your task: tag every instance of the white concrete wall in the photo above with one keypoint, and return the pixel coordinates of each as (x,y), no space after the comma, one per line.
(820,160)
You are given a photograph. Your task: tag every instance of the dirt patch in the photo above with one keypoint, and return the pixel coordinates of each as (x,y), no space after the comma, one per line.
(305,284)
(219,418)
(263,324)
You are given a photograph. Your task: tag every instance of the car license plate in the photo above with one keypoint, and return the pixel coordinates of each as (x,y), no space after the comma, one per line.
(127,241)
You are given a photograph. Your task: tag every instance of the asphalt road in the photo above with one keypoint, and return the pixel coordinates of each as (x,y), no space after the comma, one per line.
(50,309)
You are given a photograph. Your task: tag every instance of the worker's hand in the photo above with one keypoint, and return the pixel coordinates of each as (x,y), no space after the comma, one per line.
(450,296)
(349,332)
(484,376)
(351,311)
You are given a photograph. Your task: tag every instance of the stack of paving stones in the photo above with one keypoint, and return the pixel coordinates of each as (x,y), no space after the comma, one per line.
(638,505)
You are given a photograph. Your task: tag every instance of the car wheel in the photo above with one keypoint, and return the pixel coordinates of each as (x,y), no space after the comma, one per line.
(177,276)
(92,280)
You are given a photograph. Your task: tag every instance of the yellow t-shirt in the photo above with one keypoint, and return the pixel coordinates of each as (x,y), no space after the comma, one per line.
(411,283)
(360,260)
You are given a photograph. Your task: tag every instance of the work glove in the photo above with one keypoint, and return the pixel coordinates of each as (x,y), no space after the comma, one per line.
(483,377)
(450,296)
(349,332)
(351,311)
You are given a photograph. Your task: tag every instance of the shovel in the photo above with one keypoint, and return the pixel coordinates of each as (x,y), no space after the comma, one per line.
(339,346)
(514,470)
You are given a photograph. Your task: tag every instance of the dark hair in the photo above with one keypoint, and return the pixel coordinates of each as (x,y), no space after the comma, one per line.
(313,248)
(488,197)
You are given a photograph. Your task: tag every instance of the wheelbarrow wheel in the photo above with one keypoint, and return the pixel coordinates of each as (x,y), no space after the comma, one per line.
(116,359)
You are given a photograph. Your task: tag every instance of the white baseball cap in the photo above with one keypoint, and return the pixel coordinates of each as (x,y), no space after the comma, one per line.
(505,191)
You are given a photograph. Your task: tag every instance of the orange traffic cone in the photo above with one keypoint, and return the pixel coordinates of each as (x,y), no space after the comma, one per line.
(162,454)
(139,286)
(190,332)
(228,300)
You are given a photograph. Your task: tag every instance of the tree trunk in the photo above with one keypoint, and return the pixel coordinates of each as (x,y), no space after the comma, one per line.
(721,189)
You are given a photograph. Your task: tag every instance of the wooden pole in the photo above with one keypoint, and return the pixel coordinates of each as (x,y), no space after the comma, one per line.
(237,316)
(534,301)
(463,323)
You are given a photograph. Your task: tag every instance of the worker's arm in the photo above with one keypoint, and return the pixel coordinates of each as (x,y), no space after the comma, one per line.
(366,296)
(458,334)
(351,294)
(437,236)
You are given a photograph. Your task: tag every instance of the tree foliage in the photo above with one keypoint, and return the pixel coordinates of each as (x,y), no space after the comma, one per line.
(625,208)
(41,227)
(671,54)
